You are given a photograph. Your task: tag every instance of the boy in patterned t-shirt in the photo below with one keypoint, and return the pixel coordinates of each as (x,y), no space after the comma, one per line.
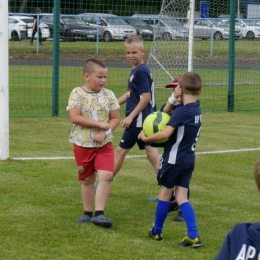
(94,112)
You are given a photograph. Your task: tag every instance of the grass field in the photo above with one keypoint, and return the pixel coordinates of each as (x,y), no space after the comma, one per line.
(31,89)
(41,196)
(31,86)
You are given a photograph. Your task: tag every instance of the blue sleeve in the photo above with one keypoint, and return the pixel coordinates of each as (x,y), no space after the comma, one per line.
(162,107)
(224,252)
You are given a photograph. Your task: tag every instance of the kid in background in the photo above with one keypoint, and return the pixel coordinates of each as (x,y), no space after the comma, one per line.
(178,159)
(140,102)
(94,112)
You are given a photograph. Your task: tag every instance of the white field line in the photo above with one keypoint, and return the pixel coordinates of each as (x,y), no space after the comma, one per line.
(134,155)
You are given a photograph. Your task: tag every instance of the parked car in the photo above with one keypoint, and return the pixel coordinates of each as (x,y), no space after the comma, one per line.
(142,28)
(110,27)
(16,30)
(250,29)
(20,28)
(71,28)
(168,27)
(205,28)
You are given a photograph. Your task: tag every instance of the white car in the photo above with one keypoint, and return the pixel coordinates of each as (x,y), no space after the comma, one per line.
(20,28)
(16,29)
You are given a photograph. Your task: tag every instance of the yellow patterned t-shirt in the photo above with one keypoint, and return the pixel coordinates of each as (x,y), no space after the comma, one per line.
(96,106)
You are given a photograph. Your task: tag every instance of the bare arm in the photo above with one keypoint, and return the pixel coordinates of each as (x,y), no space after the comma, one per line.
(114,120)
(146,97)
(166,133)
(122,99)
(34,23)
(176,94)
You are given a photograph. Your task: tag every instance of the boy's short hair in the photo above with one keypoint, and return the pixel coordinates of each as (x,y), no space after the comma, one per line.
(89,66)
(190,83)
(257,174)
(38,10)
(135,39)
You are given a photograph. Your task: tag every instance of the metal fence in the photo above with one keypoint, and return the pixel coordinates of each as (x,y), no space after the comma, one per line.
(42,77)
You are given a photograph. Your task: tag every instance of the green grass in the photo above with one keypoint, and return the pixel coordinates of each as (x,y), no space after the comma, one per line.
(31,86)
(41,199)
(22,49)
(31,89)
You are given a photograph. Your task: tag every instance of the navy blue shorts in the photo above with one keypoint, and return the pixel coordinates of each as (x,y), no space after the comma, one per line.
(129,138)
(170,175)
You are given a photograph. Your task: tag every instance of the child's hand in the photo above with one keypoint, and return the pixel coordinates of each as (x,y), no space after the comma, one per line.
(141,135)
(127,122)
(177,92)
(99,137)
(104,126)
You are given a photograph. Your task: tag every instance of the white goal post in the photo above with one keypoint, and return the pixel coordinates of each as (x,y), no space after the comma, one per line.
(4,82)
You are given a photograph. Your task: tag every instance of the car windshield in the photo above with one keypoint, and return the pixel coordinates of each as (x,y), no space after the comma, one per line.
(115,21)
(72,20)
(27,20)
(171,22)
(219,23)
(250,22)
(257,22)
(137,22)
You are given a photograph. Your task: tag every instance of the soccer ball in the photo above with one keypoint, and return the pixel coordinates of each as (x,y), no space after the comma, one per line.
(154,123)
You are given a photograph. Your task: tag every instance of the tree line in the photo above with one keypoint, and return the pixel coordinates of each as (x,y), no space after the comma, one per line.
(121,7)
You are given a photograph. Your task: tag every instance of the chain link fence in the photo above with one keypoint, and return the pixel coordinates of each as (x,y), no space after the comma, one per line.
(226,56)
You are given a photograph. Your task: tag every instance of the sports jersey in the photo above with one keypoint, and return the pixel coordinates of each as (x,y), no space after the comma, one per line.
(186,121)
(242,242)
(96,106)
(140,81)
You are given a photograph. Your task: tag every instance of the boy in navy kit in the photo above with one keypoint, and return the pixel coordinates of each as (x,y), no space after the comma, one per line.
(140,102)
(178,159)
(243,241)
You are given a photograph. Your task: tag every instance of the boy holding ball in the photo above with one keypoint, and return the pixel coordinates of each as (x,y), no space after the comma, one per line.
(178,159)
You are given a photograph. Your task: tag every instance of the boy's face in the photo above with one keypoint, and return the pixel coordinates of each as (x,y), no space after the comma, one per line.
(96,80)
(134,54)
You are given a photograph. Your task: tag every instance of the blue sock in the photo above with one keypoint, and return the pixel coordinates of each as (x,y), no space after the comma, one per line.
(160,216)
(190,219)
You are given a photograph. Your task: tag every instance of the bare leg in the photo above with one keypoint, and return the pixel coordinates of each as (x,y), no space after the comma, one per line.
(120,155)
(87,191)
(103,189)
(153,157)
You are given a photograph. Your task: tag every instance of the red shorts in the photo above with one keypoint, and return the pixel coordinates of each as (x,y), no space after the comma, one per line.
(90,160)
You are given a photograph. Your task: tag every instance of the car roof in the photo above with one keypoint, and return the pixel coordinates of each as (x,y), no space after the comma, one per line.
(151,16)
(20,17)
(100,14)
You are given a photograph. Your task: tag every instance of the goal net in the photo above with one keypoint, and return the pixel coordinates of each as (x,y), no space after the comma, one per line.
(168,56)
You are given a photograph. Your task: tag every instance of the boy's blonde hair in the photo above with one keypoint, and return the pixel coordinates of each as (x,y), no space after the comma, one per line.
(257,174)
(135,39)
(190,83)
(90,64)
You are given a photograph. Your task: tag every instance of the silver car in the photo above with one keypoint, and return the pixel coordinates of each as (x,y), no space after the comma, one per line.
(250,29)
(206,28)
(167,28)
(111,27)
